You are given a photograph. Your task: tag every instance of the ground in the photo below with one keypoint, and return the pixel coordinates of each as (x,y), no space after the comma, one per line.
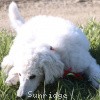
(78,11)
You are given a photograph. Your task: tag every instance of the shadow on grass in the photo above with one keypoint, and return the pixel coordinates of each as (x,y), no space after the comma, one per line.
(68,88)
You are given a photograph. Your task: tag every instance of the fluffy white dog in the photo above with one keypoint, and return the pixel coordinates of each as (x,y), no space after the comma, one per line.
(43,48)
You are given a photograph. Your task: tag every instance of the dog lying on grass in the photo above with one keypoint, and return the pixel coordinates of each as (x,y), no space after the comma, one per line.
(43,48)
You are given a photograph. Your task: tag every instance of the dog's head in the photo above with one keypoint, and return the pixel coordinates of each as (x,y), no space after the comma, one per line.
(45,65)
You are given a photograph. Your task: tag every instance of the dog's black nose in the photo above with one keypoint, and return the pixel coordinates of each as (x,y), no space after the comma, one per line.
(22,97)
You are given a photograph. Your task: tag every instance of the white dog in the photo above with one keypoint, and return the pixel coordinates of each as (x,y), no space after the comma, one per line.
(43,48)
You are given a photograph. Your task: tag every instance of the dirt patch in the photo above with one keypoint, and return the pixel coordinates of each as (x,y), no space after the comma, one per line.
(78,11)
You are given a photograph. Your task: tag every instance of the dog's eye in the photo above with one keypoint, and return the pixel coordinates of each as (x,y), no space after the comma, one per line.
(32,76)
(51,48)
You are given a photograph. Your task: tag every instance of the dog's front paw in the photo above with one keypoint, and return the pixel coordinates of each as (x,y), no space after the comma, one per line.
(10,82)
(13,80)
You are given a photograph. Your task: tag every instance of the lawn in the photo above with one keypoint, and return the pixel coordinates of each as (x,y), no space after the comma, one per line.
(68,88)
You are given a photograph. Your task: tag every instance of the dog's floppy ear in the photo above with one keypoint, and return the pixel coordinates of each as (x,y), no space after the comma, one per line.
(15,17)
(53,68)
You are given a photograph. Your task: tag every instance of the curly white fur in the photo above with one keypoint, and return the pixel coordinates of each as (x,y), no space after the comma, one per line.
(30,54)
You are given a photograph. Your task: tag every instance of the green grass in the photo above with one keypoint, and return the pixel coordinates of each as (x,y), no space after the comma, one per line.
(69,88)
(5,43)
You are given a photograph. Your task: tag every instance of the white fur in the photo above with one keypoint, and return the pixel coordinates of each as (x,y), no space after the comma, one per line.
(15,17)
(30,53)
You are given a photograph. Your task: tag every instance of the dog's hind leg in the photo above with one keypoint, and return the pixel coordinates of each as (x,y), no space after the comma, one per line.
(93,73)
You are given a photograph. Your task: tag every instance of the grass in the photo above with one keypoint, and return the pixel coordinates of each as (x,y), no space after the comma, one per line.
(63,89)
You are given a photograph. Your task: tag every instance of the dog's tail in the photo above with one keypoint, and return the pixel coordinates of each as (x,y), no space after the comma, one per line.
(15,17)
